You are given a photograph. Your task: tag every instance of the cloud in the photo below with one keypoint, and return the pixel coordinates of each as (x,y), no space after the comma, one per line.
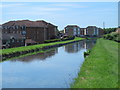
(4,5)
(28,9)
(35,11)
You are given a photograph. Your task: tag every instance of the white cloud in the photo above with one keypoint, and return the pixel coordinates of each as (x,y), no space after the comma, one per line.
(36,11)
(11,5)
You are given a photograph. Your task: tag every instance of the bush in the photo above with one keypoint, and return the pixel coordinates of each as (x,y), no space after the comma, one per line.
(87,53)
(63,39)
(109,30)
(112,36)
(68,38)
(52,40)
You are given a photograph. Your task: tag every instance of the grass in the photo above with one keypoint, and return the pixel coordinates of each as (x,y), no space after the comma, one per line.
(19,49)
(100,69)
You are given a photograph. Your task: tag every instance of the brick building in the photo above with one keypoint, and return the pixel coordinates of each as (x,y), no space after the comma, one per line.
(72,30)
(94,31)
(82,31)
(100,32)
(34,32)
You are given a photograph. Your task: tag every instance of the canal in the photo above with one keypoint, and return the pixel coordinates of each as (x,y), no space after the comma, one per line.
(55,68)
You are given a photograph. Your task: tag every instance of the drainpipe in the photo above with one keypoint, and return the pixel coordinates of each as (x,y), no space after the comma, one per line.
(44,34)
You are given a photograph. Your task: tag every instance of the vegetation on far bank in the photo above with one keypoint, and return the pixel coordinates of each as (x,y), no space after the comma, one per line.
(25,48)
(60,39)
(109,30)
(100,69)
(112,36)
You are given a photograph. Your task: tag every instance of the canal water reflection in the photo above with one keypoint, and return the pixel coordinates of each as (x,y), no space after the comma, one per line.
(55,68)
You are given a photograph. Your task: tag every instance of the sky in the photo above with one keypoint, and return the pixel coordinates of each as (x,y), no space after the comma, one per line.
(62,14)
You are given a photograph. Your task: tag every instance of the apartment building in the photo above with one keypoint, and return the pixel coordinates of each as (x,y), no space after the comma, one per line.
(94,31)
(34,32)
(72,30)
(82,31)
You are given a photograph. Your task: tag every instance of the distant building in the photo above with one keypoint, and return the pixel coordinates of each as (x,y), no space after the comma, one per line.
(34,32)
(82,31)
(72,30)
(100,32)
(94,31)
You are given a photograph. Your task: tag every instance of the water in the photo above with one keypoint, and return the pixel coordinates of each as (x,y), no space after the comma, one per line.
(56,68)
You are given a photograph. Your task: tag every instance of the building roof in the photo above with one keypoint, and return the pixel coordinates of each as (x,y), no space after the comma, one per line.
(28,23)
(71,26)
(91,27)
(82,28)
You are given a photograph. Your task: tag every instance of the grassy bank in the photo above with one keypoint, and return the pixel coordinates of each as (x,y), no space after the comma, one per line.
(100,69)
(19,49)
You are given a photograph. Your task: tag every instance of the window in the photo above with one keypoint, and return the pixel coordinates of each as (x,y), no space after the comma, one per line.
(13,27)
(5,27)
(66,30)
(74,31)
(23,27)
(22,40)
(16,27)
(78,30)
(13,31)
(20,32)
(24,32)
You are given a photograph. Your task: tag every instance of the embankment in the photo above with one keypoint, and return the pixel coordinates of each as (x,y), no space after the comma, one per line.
(16,52)
(100,68)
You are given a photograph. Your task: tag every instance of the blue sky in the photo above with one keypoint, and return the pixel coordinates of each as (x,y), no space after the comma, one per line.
(63,13)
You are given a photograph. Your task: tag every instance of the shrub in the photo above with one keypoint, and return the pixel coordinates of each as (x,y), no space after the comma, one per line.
(63,39)
(112,36)
(87,53)
(52,40)
(68,38)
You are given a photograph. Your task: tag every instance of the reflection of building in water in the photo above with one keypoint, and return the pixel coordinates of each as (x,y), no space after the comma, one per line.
(83,44)
(39,56)
(74,47)
(89,44)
